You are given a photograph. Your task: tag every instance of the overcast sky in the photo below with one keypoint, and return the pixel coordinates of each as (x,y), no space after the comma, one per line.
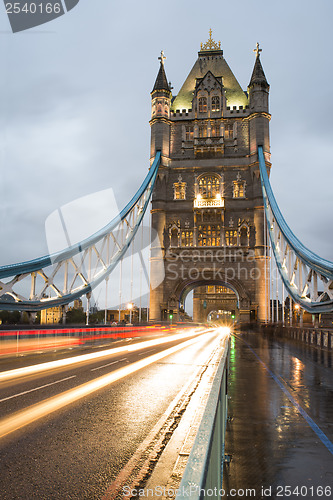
(75,104)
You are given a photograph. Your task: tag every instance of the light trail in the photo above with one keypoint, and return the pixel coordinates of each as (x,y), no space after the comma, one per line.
(29,415)
(51,365)
(36,388)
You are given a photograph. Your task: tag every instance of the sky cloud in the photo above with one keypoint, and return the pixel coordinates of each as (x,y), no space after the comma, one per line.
(75,105)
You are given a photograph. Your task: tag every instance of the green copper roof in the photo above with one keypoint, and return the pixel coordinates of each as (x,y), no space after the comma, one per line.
(213,61)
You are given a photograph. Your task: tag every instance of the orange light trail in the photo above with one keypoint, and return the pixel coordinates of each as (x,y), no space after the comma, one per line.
(31,414)
(42,367)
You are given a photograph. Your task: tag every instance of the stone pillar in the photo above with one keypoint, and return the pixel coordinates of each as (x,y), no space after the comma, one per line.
(196,310)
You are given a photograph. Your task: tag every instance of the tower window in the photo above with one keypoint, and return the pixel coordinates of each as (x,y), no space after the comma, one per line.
(202,131)
(231,238)
(188,133)
(209,236)
(202,104)
(179,189)
(209,186)
(215,103)
(239,187)
(187,238)
(228,131)
(215,130)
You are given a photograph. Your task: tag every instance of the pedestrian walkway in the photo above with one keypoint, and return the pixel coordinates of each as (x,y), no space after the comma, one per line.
(280,429)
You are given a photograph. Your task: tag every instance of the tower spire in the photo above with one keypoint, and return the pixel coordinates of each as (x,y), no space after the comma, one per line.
(161,82)
(258,75)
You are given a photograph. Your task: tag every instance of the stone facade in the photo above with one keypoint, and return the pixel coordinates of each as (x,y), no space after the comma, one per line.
(207,205)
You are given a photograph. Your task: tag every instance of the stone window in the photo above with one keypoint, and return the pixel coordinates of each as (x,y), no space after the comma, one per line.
(179,189)
(209,186)
(209,236)
(231,238)
(239,187)
(202,131)
(228,131)
(244,236)
(188,133)
(202,104)
(215,130)
(215,103)
(187,238)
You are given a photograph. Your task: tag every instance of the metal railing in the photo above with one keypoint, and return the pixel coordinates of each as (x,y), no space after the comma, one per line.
(204,469)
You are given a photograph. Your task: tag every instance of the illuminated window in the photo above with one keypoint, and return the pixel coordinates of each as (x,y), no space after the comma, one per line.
(209,186)
(188,133)
(210,289)
(231,238)
(202,104)
(215,103)
(202,131)
(209,236)
(239,189)
(228,131)
(215,130)
(179,191)
(222,289)
(187,238)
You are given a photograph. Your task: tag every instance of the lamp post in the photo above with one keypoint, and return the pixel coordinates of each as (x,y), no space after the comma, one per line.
(297,308)
(130,308)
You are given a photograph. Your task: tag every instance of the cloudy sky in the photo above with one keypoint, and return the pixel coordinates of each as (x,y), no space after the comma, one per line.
(75,104)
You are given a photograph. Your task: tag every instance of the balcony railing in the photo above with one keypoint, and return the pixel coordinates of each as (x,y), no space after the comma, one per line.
(209,203)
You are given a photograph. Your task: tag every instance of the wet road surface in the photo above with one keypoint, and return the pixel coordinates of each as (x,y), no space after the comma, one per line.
(78,450)
(280,431)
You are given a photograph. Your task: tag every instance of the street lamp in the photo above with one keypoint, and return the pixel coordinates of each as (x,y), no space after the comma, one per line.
(130,308)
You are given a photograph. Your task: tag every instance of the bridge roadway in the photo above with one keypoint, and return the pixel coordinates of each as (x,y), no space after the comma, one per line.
(280,428)
(76,451)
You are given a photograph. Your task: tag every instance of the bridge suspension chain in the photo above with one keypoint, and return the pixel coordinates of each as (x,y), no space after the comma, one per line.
(62,277)
(307,277)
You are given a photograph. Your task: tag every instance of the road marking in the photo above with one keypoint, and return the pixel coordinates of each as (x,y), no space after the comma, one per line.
(146,352)
(322,436)
(109,364)
(36,389)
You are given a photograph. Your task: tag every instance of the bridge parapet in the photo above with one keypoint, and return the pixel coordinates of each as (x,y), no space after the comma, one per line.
(315,337)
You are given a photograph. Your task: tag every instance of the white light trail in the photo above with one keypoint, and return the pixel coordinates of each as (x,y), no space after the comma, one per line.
(24,417)
(43,367)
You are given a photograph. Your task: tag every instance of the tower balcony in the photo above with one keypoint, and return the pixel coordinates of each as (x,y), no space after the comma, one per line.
(217,202)
(208,145)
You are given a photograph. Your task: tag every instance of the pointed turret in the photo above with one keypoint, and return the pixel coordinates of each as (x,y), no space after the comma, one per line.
(258,87)
(161,82)
(160,112)
(258,91)
(258,75)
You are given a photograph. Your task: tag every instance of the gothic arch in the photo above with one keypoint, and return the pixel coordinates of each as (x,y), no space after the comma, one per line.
(183,287)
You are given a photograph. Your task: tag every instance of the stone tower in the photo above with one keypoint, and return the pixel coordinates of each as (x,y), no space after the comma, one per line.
(207,205)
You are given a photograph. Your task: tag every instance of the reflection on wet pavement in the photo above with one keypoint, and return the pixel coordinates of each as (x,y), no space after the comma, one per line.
(279,393)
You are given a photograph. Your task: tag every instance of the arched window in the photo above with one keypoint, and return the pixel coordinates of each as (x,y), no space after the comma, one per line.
(215,103)
(209,186)
(202,104)
(243,236)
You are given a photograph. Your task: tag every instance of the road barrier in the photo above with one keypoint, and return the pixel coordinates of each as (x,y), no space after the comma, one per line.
(204,469)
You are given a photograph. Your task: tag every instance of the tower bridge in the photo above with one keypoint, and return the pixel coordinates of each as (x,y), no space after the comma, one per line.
(216,229)
(214,217)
